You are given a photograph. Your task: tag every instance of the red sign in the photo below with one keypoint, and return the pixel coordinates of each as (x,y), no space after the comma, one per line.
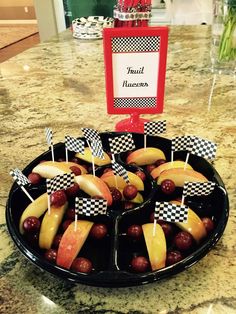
(135,69)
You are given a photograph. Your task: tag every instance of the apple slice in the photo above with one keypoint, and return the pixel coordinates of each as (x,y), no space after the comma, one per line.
(194,225)
(156,245)
(145,156)
(50,225)
(94,186)
(36,209)
(50,169)
(168,165)
(72,242)
(113,180)
(179,176)
(87,156)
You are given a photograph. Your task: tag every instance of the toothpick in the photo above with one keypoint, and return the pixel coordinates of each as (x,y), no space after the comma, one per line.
(66,155)
(186,161)
(172,156)
(27,194)
(93,166)
(52,151)
(145,141)
(76,219)
(114,160)
(182,200)
(49,205)
(154,228)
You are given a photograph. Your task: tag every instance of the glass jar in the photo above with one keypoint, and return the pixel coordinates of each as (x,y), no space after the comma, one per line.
(223,47)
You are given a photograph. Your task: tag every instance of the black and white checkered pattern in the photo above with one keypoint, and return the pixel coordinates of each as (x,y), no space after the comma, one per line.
(171,212)
(139,102)
(19,177)
(181,143)
(60,182)
(90,206)
(135,44)
(48,134)
(198,188)
(74,144)
(154,127)
(203,148)
(96,148)
(121,143)
(120,171)
(90,134)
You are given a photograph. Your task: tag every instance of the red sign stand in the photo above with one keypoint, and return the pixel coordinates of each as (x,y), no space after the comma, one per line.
(135,68)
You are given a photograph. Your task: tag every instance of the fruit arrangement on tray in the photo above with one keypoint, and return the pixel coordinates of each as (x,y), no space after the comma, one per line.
(68,232)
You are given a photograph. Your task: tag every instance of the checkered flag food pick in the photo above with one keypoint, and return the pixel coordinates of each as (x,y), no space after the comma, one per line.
(198,188)
(181,143)
(90,134)
(74,144)
(19,177)
(120,171)
(60,182)
(90,206)
(171,212)
(154,127)
(48,134)
(203,148)
(96,148)
(121,143)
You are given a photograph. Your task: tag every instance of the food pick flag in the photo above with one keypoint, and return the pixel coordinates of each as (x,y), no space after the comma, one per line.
(21,180)
(48,134)
(153,128)
(121,144)
(90,206)
(179,143)
(203,148)
(96,148)
(74,145)
(90,134)
(169,212)
(60,182)
(120,171)
(197,188)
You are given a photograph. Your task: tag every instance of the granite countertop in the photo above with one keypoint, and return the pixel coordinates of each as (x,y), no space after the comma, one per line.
(60,84)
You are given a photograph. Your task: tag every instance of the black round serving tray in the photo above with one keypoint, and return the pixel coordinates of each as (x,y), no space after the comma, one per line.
(111,256)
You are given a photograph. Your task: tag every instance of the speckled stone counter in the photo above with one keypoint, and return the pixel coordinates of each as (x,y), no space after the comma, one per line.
(61,84)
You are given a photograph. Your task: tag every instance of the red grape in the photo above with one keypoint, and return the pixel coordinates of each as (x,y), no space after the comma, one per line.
(61,159)
(58,198)
(98,231)
(75,170)
(31,224)
(140,264)
(208,224)
(166,227)
(160,162)
(130,191)
(116,194)
(51,255)
(72,190)
(75,160)
(34,178)
(135,232)
(97,197)
(183,240)
(128,205)
(167,186)
(149,168)
(82,265)
(141,175)
(173,257)
(56,241)
(70,213)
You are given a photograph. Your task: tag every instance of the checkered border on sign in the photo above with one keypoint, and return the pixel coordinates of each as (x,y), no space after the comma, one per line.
(90,206)
(135,102)
(135,44)
(171,212)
